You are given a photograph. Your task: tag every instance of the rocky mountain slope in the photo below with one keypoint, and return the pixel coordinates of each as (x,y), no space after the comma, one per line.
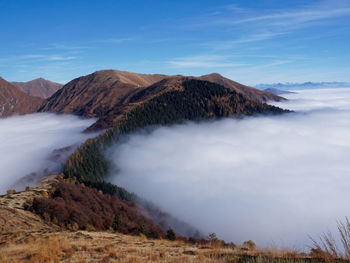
(15,101)
(40,87)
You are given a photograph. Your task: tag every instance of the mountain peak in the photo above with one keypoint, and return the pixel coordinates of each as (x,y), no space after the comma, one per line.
(214,74)
(39,87)
(39,79)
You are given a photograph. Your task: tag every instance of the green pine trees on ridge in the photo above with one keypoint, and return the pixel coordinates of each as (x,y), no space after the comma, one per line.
(197,101)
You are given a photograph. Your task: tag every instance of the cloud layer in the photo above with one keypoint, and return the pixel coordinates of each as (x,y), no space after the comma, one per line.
(274,180)
(28,142)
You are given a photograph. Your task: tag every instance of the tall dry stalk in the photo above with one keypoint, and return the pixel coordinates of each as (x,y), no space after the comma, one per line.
(328,246)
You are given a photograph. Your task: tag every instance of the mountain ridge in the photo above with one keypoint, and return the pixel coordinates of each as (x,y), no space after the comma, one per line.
(107,94)
(167,102)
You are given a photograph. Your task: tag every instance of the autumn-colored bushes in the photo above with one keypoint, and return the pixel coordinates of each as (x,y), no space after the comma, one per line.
(76,206)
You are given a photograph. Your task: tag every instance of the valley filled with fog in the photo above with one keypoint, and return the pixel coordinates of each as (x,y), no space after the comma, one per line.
(272,179)
(34,145)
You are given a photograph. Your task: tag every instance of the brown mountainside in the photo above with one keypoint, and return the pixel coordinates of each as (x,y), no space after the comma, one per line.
(107,94)
(15,101)
(96,94)
(40,87)
(136,98)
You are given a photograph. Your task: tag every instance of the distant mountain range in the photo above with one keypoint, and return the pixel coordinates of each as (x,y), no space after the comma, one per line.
(305,85)
(40,87)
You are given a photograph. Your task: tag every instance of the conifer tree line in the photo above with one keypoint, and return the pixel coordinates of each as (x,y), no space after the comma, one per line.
(198,100)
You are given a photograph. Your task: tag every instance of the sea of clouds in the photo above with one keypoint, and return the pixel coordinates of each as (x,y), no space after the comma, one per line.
(273,179)
(31,146)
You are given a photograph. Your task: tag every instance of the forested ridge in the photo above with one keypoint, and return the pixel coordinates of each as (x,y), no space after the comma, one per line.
(196,100)
(107,94)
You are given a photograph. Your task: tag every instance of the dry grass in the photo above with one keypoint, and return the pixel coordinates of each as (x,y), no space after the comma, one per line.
(84,246)
(35,250)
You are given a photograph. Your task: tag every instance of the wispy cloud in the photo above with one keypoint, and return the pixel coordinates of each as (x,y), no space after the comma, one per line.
(38,57)
(88,44)
(114,40)
(60,58)
(218,45)
(233,7)
(71,47)
(204,61)
(267,24)
(290,17)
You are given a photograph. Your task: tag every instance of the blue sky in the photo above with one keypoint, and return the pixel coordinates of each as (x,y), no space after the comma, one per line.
(248,41)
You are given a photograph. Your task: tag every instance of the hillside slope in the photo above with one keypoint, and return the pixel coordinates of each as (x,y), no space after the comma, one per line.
(26,237)
(175,83)
(107,94)
(40,87)
(15,101)
(96,94)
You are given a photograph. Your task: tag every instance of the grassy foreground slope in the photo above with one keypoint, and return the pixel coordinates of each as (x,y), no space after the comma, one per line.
(84,246)
(26,237)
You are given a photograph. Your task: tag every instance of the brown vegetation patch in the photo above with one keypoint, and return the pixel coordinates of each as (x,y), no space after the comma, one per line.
(76,206)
